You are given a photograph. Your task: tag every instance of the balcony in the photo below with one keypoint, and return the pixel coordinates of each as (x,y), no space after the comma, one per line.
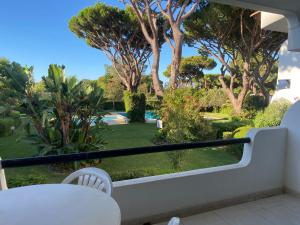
(279,209)
(261,189)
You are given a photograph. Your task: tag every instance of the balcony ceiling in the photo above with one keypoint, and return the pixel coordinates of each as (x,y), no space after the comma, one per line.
(275,6)
(289,8)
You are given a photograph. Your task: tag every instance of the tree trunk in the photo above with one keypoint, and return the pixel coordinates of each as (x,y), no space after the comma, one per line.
(155,69)
(237,106)
(176,56)
(129,87)
(265,93)
(237,102)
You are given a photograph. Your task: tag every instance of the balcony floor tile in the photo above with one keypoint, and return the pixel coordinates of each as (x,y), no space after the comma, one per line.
(278,210)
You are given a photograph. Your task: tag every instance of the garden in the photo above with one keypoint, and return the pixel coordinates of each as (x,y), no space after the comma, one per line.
(61,114)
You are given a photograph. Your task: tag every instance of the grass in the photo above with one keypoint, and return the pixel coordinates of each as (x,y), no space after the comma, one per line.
(217,116)
(118,136)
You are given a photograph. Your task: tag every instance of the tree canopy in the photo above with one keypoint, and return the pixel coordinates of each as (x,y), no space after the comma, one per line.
(111,85)
(117,33)
(233,37)
(175,13)
(191,69)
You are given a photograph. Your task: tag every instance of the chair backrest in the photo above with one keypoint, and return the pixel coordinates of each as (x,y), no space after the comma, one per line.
(3,184)
(91,177)
(174,221)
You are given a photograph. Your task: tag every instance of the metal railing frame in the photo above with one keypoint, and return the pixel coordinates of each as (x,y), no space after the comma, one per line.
(42,160)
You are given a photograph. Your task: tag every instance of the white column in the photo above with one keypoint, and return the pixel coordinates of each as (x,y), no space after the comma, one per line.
(3,184)
(293,32)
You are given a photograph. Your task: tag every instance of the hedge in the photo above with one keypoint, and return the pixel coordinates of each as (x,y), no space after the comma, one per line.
(135,106)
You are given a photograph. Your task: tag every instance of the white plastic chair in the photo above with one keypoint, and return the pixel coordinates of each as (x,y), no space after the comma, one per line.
(174,221)
(91,177)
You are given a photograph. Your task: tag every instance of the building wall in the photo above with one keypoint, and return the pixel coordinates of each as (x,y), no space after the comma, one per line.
(291,121)
(289,68)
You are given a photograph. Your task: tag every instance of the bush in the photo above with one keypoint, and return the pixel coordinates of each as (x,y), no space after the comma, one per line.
(237,150)
(273,114)
(253,104)
(241,132)
(25,181)
(182,122)
(228,126)
(6,124)
(182,119)
(135,106)
(227,135)
(227,109)
(14,114)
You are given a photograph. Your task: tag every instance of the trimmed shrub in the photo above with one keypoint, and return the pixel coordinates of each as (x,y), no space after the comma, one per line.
(273,114)
(135,106)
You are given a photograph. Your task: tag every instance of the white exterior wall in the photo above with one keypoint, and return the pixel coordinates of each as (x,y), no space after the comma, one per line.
(289,68)
(160,197)
(292,169)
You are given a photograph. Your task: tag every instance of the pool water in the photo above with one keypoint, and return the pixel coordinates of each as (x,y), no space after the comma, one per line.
(108,118)
(120,115)
(149,115)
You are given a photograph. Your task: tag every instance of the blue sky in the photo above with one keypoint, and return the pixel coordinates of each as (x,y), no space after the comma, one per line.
(35,32)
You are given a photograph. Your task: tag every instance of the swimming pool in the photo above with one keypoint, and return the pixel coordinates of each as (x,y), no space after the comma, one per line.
(108,118)
(122,118)
(149,115)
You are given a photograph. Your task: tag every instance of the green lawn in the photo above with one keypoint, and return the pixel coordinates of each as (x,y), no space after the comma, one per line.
(119,136)
(217,116)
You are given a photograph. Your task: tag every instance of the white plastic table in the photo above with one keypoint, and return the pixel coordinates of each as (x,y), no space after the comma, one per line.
(57,204)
